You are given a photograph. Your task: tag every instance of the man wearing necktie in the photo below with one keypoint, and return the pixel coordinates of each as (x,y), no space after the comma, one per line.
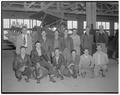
(25,40)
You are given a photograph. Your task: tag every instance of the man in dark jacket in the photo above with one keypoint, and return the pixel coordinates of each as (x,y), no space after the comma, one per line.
(22,65)
(58,61)
(39,58)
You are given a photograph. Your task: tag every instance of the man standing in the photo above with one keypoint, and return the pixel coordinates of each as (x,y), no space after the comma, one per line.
(102,38)
(87,40)
(25,40)
(46,44)
(76,41)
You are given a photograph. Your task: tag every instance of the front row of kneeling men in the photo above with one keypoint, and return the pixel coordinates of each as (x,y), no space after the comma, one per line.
(38,63)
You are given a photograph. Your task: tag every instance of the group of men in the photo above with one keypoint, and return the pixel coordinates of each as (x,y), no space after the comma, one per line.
(60,56)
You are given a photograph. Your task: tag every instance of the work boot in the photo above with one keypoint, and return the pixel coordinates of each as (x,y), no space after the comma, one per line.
(38,81)
(61,77)
(52,79)
(19,79)
(27,80)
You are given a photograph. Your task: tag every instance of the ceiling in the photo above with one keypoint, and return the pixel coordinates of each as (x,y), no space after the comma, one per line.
(60,8)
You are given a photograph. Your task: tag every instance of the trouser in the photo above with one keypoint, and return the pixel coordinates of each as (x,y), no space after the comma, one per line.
(86,70)
(100,69)
(40,71)
(58,73)
(73,70)
(67,55)
(27,72)
(47,66)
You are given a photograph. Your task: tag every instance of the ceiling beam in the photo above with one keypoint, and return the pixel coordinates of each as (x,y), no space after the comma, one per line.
(25,8)
(32,3)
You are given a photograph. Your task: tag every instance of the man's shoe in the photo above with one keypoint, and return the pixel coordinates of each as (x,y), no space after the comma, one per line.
(52,80)
(62,78)
(27,80)
(38,81)
(19,79)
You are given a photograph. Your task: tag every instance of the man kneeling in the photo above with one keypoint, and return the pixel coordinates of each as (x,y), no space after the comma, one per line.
(22,65)
(58,61)
(100,60)
(39,59)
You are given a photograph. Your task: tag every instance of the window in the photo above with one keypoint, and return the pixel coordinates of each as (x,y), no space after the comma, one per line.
(26,22)
(115,26)
(84,24)
(98,24)
(71,24)
(31,23)
(34,23)
(12,21)
(106,25)
(38,23)
(20,21)
(74,24)
(6,23)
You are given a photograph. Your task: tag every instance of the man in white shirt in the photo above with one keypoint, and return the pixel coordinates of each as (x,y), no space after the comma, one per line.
(100,60)
(25,40)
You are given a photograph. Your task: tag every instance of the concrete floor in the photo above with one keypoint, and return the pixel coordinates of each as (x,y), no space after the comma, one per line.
(10,84)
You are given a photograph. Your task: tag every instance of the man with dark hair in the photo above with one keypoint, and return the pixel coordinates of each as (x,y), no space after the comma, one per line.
(100,60)
(87,40)
(86,65)
(74,64)
(22,65)
(58,61)
(76,41)
(102,38)
(39,58)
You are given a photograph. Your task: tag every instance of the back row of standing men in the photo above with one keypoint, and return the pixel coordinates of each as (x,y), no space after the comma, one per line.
(79,43)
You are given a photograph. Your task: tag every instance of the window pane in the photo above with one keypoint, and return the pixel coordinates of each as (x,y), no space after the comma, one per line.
(69,24)
(6,23)
(31,23)
(12,21)
(84,24)
(103,23)
(20,21)
(75,24)
(38,23)
(107,25)
(115,25)
(26,22)
(34,23)
(99,23)
(97,27)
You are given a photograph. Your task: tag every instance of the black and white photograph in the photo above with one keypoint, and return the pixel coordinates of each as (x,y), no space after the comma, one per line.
(59,46)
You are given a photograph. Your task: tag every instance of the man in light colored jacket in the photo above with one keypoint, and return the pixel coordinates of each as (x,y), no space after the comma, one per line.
(100,60)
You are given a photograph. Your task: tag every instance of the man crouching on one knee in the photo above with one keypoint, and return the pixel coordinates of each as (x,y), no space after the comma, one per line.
(22,65)
(100,60)
(58,61)
(39,59)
